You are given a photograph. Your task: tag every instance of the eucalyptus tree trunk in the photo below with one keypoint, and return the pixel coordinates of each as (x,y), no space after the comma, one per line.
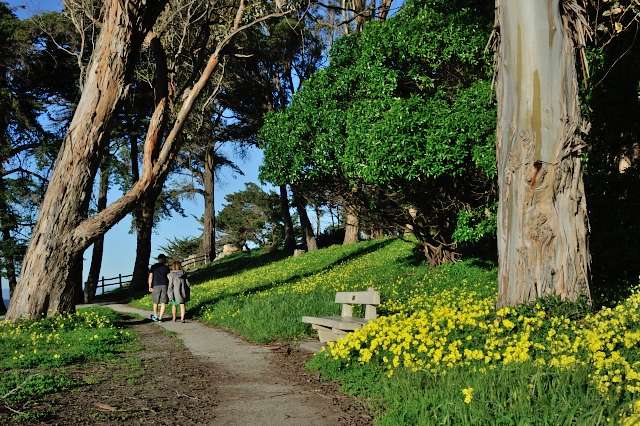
(305,223)
(542,214)
(351,226)
(209,232)
(98,245)
(289,238)
(46,281)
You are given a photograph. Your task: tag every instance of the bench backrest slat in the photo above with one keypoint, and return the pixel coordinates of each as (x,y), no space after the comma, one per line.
(358,297)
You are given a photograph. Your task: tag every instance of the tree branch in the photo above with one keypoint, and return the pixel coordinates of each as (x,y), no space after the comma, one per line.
(96,225)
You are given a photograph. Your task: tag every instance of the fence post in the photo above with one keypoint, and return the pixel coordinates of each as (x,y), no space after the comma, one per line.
(102,285)
(120,280)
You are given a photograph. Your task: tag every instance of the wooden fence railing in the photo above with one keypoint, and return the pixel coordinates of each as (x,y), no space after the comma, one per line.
(122,281)
(195,261)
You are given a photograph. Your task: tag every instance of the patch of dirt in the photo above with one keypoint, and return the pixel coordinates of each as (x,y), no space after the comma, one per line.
(163,384)
(290,363)
(226,382)
(253,388)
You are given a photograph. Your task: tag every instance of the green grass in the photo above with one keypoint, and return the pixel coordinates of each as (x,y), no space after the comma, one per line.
(271,274)
(514,395)
(274,313)
(34,355)
(265,303)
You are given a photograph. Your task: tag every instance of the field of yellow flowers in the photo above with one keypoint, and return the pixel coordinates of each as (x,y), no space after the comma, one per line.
(441,353)
(34,354)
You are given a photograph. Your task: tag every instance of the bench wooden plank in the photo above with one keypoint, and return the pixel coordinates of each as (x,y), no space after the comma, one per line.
(338,322)
(358,297)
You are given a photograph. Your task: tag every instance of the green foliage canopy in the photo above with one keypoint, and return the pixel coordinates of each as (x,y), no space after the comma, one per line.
(250,215)
(406,106)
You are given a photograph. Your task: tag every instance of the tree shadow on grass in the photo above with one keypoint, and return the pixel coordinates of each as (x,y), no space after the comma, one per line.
(230,265)
(196,309)
(235,264)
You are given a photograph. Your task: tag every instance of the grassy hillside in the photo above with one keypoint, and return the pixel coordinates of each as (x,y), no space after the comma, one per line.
(266,303)
(440,353)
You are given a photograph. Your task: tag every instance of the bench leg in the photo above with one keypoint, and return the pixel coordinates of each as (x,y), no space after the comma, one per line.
(325,334)
(338,333)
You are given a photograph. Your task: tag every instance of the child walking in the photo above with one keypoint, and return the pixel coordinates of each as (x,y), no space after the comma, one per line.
(178,290)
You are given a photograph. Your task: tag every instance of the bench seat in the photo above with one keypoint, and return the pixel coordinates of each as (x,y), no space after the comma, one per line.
(342,323)
(332,328)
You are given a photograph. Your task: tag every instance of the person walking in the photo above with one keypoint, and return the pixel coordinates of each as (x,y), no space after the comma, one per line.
(158,283)
(179,292)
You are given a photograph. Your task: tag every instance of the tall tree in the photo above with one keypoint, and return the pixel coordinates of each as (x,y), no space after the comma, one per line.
(55,247)
(390,125)
(263,81)
(542,214)
(61,235)
(28,59)
(251,215)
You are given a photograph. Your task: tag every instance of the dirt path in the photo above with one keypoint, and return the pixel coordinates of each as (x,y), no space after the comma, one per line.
(139,388)
(255,386)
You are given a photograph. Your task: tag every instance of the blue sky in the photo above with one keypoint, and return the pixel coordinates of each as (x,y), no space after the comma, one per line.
(120,244)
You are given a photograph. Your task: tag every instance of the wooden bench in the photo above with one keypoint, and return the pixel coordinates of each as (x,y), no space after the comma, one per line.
(332,328)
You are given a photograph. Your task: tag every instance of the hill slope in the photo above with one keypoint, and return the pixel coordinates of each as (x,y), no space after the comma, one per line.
(266,303)
(440,352)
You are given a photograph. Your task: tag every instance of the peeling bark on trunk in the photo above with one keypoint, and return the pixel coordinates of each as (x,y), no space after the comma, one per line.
(289,238)
(351,227)
(209,233)
(98,245)
(46,285)
(542,215)
(305,223)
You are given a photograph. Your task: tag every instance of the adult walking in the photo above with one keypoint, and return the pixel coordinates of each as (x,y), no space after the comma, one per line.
(158,284)
(179,293)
